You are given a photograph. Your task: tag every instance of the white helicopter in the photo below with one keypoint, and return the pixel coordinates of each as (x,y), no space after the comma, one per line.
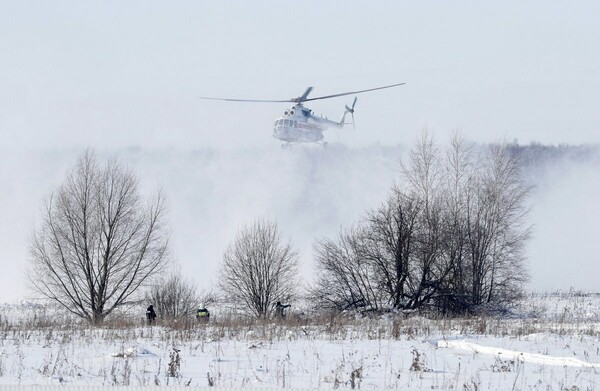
(299,124)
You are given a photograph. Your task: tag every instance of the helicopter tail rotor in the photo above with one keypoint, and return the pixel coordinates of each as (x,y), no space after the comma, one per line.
(351,111)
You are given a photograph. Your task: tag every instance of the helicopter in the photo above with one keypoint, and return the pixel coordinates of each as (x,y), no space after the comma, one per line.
(299,124)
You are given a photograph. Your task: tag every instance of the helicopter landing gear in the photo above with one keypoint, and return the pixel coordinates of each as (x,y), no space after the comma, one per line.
(285,146)
(325,144)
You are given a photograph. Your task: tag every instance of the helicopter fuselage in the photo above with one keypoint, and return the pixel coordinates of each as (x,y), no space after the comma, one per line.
(298,124)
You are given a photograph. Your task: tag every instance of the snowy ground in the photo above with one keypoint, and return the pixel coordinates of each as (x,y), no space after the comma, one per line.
(550,342)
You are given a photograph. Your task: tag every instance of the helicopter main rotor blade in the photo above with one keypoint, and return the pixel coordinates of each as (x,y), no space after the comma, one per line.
(302,98)
(354,92)
(248,100)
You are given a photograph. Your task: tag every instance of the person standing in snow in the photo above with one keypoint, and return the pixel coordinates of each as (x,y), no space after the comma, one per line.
(280,309)
(150,314)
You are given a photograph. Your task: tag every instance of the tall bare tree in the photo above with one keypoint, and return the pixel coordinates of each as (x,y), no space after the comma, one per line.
(388,244)
(97,242)
(423,177)
(460,168)
(497,232)
(259,270)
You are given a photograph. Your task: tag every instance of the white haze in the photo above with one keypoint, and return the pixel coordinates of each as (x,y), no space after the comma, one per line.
(565,250)
(310,191)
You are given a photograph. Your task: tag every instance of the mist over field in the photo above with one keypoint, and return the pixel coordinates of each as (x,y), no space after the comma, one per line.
(311,192)
(565,212)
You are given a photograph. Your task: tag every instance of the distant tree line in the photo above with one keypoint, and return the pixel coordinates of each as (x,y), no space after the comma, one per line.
(537,154)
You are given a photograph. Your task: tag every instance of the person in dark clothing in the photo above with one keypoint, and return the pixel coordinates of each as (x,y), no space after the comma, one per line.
(202,315)
(150,314)
(280,309)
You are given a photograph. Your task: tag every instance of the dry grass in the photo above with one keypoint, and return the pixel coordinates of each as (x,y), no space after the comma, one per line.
(533,316)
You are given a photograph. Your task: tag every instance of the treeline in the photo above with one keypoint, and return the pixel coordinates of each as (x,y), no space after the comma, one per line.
(539,155)
(449,238)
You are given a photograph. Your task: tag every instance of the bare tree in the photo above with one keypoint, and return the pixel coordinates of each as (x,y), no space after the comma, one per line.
(460,171)
(496,232)
(97,242)
(423,177)
(388,245)
(258,269)
(174,297)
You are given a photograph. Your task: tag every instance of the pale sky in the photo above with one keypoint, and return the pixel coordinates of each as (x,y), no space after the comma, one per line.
(118,74)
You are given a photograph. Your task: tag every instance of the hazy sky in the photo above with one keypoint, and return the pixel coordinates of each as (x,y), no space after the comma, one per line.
(128,73)
(115,74)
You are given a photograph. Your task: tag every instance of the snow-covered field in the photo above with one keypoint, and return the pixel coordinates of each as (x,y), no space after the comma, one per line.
(548,342)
